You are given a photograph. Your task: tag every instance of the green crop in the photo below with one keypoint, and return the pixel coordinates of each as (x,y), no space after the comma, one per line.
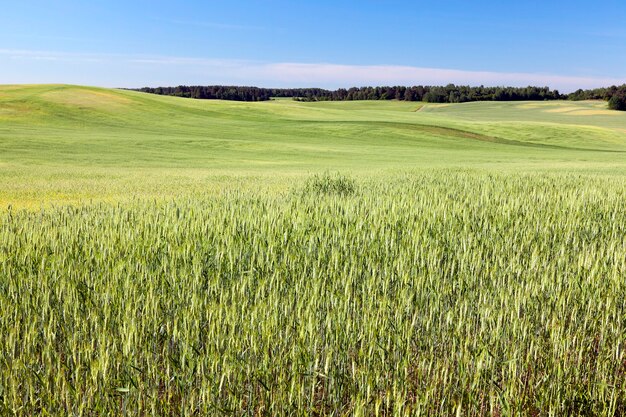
(328,184)
(442,293)
(163,256)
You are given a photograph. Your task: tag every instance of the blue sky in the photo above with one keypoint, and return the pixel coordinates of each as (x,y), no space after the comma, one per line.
(323,43)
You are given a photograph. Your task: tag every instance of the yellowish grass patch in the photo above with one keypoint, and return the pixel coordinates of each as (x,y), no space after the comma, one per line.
(594,113)
(531,106)
(87,98)
(577,111)
(11,87)
(562,110)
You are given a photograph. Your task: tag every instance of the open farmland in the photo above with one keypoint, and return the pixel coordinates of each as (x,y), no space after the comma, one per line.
(164,256)
(75,144)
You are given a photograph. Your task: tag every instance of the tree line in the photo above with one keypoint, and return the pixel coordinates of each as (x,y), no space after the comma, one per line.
(440,94)
(432,94)
(233,93)
(616,96)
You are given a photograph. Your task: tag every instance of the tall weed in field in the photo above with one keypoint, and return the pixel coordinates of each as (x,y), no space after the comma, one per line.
(330,184)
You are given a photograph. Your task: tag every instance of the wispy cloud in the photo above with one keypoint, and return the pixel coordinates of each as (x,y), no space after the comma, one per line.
(140,70)
(211,25)
(22,54)
(407,75)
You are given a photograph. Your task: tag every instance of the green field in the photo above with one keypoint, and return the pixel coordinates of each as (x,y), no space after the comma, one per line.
(166,256)
(65,144)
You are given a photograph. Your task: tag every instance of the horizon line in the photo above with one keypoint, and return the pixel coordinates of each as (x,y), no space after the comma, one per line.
(96,69)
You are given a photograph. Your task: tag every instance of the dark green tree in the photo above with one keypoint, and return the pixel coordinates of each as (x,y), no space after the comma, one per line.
(618,102)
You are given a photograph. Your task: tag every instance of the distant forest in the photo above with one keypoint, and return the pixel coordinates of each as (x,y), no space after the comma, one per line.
(616,96)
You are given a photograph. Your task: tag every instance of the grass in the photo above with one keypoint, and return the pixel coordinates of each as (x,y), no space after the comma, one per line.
(329,184)
(164,256)
(71,144)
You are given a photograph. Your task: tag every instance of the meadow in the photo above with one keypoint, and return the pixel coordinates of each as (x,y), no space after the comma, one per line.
(64,144)
(164,256)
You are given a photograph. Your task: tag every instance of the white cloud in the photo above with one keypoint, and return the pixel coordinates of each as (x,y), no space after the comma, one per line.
(405,75)
(135,71)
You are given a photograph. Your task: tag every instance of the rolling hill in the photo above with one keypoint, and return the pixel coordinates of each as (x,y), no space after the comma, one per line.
(62,143)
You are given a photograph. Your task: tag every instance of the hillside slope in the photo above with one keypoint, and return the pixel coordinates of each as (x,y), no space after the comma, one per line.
(63,141)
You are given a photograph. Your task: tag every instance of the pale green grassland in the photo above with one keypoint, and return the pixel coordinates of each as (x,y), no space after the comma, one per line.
(165,256)
(69,144)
